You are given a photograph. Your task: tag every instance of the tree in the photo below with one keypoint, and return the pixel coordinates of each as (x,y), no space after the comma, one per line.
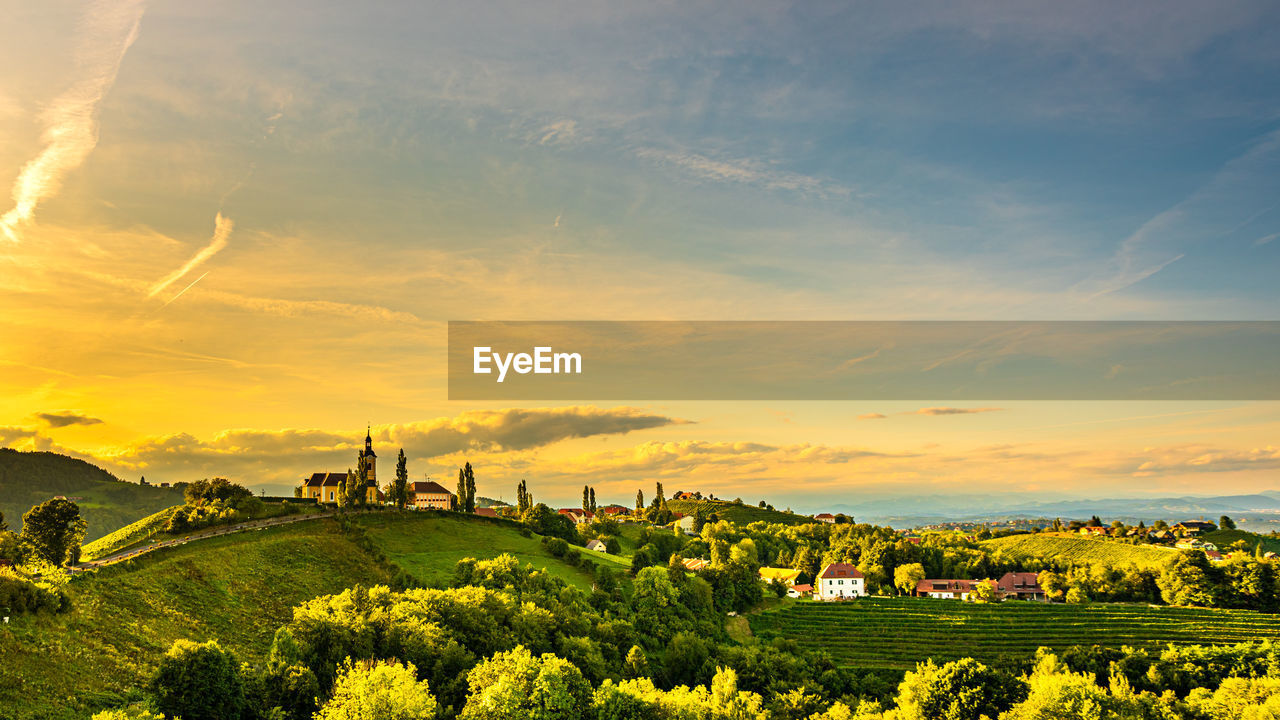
(636,664)
(515,685)
(907,577)
(1226,523)
(198,682)
(55,530)
(662,501)
(586,498)
(639,501)
(400,490)
(462,491)
(385,691)
(983,591)
(524,500)
(217,489)
(961,690)
(593,499)
(3,526)
(470,480)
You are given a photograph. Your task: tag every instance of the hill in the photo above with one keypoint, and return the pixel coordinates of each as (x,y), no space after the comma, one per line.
(735,513)
(884,633)
(234,588)
(428,545)
(107,503)
(1079,550)
(1225,538)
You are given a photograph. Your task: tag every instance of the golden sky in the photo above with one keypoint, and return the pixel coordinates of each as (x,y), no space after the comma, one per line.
(233,236)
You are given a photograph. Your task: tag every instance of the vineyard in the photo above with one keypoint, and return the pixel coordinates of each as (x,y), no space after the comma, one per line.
(884,633)
(1078,550)
(739,514)
(128,535)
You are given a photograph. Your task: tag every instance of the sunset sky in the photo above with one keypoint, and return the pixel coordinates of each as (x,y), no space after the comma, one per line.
(232,234)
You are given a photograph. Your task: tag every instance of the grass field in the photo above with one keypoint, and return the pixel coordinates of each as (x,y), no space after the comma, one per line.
(428,545)
(740,514)
(884,633)
(131,534)
(1078,550)
(1224,538)
(237,589)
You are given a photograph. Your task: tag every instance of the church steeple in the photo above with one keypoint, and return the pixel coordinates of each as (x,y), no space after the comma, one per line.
(368,442)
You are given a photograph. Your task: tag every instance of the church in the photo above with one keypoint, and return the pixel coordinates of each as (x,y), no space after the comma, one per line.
(324,486)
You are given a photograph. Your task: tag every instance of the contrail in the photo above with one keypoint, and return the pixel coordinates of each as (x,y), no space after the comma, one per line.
(193,282)
(70,122)
(222,227)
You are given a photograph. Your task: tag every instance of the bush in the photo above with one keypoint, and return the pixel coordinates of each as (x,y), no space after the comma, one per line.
(198,682)
(19,595)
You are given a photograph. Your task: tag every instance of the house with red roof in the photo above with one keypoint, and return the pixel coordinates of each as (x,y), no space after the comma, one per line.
(577,515)
(948,589)
(1021,586)
(840,581)
(825,517)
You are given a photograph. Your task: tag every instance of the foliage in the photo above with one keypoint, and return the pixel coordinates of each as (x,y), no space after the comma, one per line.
(961,690)
(400,488)
(55,530)
(378,691)
(19,595)
(215,490)
(515,685)
(198,682)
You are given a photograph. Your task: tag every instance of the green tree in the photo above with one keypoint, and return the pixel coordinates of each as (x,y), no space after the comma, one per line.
(470,481)
(907,577)
(586,498)
(198,682)
(593,499)
(1226,523)
(462,491)
(961,690)
(55,530)
(379,691)
(636,664)
(217,489)
(516,685)
(4,527)
(400,490)
(639,501)
(983,591)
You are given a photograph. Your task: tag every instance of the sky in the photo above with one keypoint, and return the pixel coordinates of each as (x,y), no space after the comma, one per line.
(233,233)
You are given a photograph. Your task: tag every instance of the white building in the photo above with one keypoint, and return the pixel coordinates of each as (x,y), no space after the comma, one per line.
(840,581)
(686,525)
(597,546)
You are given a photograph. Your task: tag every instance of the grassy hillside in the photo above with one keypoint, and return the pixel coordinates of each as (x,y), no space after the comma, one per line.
(30,478)
(738,514)
(1224,538)
(237,589)
(897,633)
(130,534)
(428,545)
(1080,550)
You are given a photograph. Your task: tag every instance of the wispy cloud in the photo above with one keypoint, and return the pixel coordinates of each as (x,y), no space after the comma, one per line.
(746,172)
(222,227)
(70,122)
(1265,239)
(872,416)
(64,418)
(955,410)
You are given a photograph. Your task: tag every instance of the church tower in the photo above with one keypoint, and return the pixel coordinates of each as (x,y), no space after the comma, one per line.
(370,459)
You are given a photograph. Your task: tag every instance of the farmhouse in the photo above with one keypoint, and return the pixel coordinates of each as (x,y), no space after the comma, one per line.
(430,495)
(614,510)
(1095,530)
(597,546)
(952,589)
(323,487)
(577,515)
(1020,586)
(799,591)
(686,525)
(825,517)
(840,581)
(1194,527)
(786,576)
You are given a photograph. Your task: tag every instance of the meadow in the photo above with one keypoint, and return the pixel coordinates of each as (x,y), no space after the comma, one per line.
(896,633)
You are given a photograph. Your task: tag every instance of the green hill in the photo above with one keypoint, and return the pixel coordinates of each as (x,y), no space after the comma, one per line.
(883,633)
(737,514)
(1224,538)
(235,588)
(107,503)
(1079,550)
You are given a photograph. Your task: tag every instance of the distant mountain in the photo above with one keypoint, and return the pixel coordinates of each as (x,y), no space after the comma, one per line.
(922,510)
(106,502)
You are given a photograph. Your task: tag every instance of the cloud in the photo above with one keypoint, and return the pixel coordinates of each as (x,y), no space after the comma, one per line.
(872,416)
(954,410)
(1265,239)
(222,227)
(720,458)
(746,172)
(256,454)
(1201,459)
(70,121)
(562,132)
(65,418)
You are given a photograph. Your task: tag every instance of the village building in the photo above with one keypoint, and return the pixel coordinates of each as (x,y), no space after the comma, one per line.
(323,487)
(487,512)
(577,515)
(948,589)
(686,525)
(1020,586)
(799,591)
(597,546)
(429,495)
(825,517)
(1095,530)
(694,564)
(1194,527)
(840,581)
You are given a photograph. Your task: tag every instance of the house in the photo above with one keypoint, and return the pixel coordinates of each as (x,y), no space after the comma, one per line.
(798,591)
(952,589)
(487,512)
(597,546)
(840,581)
(825,517)
(786,576)
(1160,535)
(686,525)
(1095,530)
(323,487)
(1021,586)
(614,510)
(695,564)
(1214,556)
(913,539)
(1194,544)
(1194,527)
(430,495)
(577,515)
